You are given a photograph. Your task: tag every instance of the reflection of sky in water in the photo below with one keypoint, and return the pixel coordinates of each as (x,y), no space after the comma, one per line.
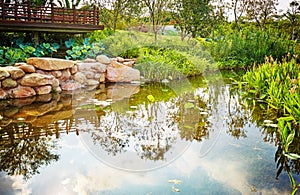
(221,164)
(229,168)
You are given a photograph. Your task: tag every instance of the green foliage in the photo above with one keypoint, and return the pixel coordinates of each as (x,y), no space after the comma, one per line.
(161,63)
(82,49)
(248,46)
(20,51)
(278,85)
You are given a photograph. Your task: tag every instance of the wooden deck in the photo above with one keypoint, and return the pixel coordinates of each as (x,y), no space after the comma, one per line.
(24,17)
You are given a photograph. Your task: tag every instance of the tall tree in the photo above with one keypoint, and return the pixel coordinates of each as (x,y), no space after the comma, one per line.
(112,10)
(261,11)
(156,10)
(192,16)
(293,15)
(239,8)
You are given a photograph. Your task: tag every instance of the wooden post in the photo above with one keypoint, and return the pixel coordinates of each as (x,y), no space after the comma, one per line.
(94,16)
(16,11)
(28,10)
(36,38)
(74,14)
(52,12)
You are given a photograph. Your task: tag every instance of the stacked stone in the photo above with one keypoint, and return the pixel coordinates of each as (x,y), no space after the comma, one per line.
(39,76)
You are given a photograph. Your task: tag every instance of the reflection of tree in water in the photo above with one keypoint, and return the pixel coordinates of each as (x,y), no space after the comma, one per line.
(151,129)
(238,116)
(23,154)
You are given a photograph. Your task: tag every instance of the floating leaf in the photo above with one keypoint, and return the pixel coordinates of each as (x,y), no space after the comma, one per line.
(188,105)
(151,98)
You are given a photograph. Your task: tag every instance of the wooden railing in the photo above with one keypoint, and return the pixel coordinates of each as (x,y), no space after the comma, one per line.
(47,14)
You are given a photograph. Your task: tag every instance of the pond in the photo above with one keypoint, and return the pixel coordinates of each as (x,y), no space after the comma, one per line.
(196,136)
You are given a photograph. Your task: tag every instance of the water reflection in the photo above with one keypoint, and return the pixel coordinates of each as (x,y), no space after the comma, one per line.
(121,126)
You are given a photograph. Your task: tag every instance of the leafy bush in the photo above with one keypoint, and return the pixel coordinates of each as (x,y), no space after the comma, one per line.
(248,46)
(163,63)
(20,51)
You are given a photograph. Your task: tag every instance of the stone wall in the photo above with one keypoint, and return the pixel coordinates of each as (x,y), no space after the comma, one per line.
(39,76)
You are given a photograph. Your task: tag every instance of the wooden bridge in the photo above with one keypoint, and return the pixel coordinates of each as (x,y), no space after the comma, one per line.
(26,17)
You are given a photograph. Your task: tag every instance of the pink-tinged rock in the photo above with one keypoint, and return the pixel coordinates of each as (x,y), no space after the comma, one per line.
(3,94)
(80,78)
(121,73)
(15,72)
(103,59)
(9,83)
(20,64)
(98,67)
(129,64)
(37,79)
(116,64)
(91,82)
(43,89)
(3,73)
(66,75)
(89,74)
(70,86)
(43,72)
(89,60)
(56,73)
(120,59)
(21,92)
(74,69)
(55,83)
(50,63)
(27,68)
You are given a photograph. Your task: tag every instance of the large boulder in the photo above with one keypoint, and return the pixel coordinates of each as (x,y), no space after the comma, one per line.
(21,92)
(37,79)
(117,72)
(43,89)
(103,59)
(80,78)
(97,67)
(50,63)
(3,73)
(9,83)
(15,72)
(26,68)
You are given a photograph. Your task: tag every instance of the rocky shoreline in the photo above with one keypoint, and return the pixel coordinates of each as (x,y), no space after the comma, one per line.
(40,76)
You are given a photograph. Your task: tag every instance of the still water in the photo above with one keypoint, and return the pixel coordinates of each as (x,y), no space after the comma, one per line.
(196,136)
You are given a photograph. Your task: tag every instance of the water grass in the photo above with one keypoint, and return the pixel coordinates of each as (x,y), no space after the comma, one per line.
(278,85)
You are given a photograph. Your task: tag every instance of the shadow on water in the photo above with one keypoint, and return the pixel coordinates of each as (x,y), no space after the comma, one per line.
(119,120)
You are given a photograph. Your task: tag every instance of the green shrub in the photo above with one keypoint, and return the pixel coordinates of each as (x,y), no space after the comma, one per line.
(248,46)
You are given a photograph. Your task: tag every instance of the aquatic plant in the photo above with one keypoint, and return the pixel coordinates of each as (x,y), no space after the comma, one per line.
(278,85)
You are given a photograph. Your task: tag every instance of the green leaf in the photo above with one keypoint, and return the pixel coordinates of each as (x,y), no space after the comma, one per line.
(151,98)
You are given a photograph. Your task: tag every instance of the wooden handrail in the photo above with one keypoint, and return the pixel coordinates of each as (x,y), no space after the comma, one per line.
(48,14)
